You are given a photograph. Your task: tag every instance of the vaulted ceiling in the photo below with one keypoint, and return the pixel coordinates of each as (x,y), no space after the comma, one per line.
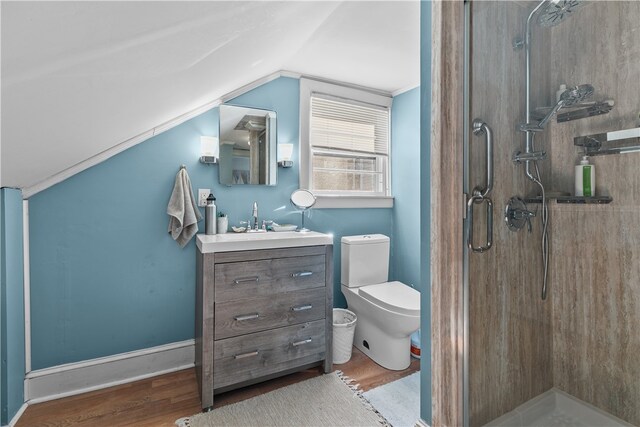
(81,77)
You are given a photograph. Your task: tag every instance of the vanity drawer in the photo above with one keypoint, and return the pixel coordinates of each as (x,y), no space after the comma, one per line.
(290,274)
(239,317)
(256,355)
(249,279)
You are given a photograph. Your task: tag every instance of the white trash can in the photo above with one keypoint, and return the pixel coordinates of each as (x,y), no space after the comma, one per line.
(344,326)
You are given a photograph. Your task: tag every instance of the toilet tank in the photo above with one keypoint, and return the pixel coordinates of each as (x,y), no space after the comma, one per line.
(365,260)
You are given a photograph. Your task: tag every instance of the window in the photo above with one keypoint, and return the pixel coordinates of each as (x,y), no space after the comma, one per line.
(344,145)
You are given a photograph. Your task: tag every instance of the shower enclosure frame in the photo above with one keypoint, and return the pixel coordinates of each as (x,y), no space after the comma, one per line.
(450,123)
(450,284)
(467,224)
(463,103)
(448,206)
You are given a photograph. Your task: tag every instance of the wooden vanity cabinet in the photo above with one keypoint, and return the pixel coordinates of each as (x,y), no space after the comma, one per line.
(261,314)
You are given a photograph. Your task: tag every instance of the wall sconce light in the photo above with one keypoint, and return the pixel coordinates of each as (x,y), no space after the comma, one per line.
(209,150)
(284,155)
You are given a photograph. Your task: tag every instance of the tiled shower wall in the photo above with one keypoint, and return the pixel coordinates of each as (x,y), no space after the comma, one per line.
(595,268)
(510,327)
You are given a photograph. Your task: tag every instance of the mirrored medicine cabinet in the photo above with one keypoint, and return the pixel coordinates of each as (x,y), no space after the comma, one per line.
(248,146)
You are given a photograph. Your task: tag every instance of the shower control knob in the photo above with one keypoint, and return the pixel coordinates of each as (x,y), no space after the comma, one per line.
(516,214)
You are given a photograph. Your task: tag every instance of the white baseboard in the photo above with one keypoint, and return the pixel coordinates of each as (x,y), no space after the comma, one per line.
(421,423)
(81,377)
(17,416)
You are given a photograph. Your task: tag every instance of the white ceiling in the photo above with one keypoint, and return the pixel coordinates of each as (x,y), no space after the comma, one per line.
(81,77)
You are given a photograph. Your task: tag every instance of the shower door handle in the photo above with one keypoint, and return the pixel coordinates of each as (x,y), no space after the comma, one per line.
(479,200)
(481,128)
(479,194)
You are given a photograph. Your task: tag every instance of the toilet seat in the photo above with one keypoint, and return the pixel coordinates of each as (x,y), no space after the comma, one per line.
(393,296)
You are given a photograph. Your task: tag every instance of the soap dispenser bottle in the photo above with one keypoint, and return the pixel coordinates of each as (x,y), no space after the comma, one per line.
(585,179)
(210,216)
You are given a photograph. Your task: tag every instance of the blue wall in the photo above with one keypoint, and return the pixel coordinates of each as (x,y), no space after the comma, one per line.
(405,166)
(105,275)
(11,305)
(425,208)
(410,188)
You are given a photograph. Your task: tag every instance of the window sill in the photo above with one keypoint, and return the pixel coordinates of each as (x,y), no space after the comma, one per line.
(324,201)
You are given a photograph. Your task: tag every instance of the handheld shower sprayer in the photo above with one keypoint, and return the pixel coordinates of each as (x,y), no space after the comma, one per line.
(569,97)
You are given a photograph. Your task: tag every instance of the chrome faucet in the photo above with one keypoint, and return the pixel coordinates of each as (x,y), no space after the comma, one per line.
(255,216)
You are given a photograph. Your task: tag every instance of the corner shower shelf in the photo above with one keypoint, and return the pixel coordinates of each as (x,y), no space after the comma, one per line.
(597,200)
(616,142)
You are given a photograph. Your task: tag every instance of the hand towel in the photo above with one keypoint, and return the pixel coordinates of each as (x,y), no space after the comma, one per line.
(183,210)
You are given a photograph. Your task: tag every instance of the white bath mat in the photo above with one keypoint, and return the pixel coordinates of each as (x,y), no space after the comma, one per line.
(398,401)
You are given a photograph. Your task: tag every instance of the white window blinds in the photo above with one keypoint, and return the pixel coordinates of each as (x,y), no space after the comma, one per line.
(345,144)
(348,126)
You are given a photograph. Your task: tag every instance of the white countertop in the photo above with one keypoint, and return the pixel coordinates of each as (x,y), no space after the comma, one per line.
(270,240)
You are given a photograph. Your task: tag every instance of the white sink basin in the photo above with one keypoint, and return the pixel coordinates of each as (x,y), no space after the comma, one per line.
(270,240)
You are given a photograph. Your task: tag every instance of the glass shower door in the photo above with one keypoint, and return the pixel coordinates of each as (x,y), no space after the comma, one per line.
(572,353)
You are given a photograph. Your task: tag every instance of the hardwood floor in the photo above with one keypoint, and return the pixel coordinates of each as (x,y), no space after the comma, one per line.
(161,400)
(369,374)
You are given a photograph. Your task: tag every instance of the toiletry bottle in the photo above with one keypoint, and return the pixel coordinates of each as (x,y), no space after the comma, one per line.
(559,92)
(210,215)
(585,179)
(415,344)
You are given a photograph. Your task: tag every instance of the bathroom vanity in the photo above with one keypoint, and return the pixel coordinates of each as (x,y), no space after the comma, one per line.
(264,306)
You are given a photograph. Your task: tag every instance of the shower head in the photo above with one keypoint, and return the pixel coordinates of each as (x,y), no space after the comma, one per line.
(569,97)
(576,94)
(556,11)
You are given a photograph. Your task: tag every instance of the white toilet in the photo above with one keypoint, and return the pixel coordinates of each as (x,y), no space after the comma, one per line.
(388,312)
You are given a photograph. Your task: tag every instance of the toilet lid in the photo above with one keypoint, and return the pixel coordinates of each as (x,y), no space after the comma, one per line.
(394,296)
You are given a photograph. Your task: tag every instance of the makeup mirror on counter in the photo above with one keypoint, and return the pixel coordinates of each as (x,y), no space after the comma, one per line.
(303,200)
(248,146)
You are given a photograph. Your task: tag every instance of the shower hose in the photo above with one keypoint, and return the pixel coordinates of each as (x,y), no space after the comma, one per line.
(545,222)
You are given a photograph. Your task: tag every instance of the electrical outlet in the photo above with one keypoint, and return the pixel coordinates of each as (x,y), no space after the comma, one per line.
(203,193)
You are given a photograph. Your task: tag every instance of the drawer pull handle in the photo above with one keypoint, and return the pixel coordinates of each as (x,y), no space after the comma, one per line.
(243,355)
(302,307)
(302,274)
(301,342)
(247,317)
(246,280)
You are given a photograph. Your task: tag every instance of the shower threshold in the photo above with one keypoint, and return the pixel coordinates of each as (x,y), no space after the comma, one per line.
(556,408)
